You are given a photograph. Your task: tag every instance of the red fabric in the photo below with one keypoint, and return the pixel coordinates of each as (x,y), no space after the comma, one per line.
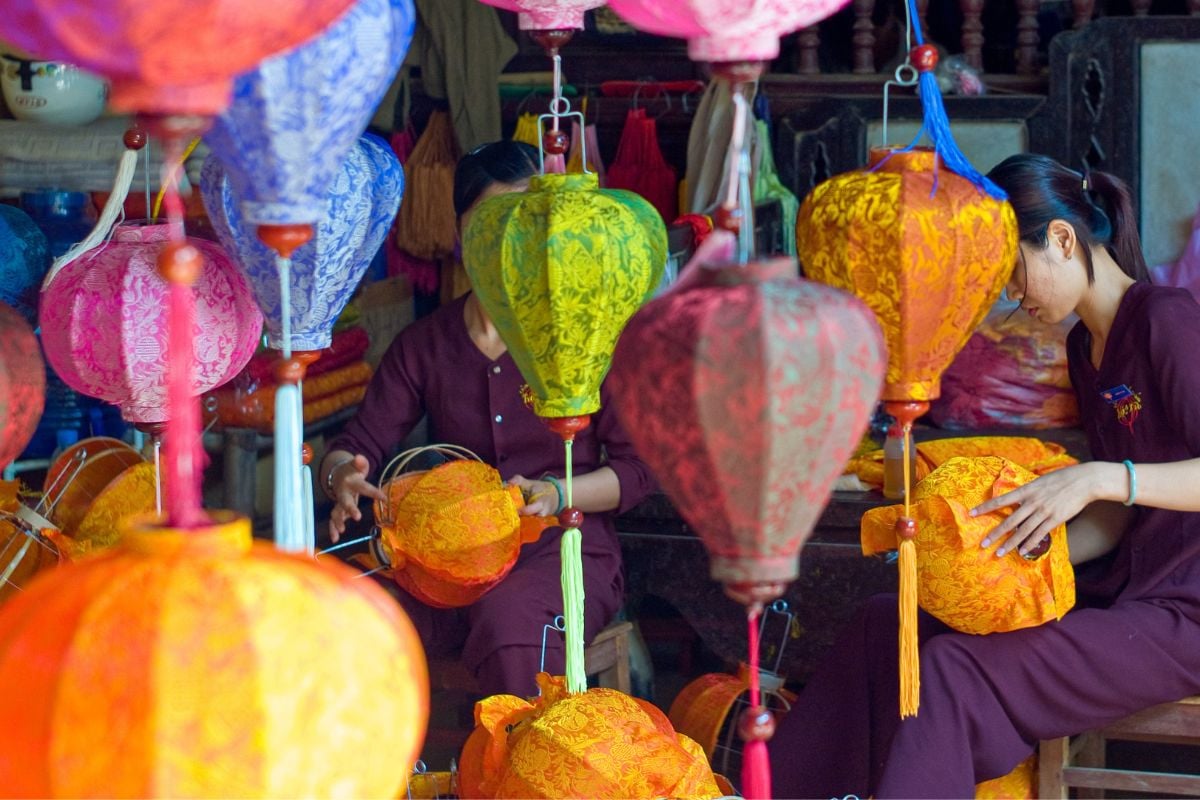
(422,274)
(347,347)
(640,166)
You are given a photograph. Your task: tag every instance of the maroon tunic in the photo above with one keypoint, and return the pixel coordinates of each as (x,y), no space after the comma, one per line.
(434,369)
(1132,641)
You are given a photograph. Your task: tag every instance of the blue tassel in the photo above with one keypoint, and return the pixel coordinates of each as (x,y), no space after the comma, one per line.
(937,124)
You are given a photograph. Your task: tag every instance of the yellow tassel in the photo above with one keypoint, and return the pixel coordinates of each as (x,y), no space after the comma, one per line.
(910,661)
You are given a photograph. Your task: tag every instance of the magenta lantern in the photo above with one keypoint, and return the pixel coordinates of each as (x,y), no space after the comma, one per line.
(770,381)
(22,384)
(104,322)
(165,56)
(725,30)
(547,15)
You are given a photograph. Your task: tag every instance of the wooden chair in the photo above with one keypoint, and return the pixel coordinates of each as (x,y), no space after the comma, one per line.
(607,658)
(1080,761)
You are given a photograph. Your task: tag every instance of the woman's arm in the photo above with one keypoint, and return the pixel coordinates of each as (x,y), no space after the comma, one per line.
(1097,530)
(592,493)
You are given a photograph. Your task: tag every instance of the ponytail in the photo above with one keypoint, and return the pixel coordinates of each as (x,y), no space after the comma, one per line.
(1124,243)
(1097,205)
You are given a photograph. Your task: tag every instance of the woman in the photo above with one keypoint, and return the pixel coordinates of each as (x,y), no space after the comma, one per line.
(453,368)
(1133,639)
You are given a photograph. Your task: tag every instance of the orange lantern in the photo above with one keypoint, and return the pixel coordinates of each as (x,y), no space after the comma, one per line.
(451,533)
(195,664)
(25,549)
(598,743)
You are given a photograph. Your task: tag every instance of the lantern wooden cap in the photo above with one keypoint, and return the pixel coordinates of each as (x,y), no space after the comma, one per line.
(285,239)
(900,159)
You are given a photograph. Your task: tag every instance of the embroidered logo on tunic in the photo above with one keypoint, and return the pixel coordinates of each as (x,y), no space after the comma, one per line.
(1125,402)
(527,395)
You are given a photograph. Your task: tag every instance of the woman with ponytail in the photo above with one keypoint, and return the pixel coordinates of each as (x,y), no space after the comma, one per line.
(1133,639)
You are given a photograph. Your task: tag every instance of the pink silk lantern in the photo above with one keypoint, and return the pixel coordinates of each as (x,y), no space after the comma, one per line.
(104,322)
(725,30)
(22,384)
(165,56)
(547,15)
(770,382)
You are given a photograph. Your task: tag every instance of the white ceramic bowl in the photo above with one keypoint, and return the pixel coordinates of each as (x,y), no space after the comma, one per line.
(51,91)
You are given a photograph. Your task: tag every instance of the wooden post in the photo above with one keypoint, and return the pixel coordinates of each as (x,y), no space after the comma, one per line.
(809,42)
(972,32)
(1083,12)
(864,37)
(241,462)
(922,7)
(1027,36)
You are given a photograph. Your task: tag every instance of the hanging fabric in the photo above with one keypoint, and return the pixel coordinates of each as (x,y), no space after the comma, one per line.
(421,273)
(640,166)
(426,226)
(768,186)
(708,139)
(575,159)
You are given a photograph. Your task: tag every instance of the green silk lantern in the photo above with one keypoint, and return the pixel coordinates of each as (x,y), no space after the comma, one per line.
(560,269)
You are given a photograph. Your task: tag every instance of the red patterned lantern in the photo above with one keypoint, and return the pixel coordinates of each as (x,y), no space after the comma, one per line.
(104,322)
(160,55)
(22,384)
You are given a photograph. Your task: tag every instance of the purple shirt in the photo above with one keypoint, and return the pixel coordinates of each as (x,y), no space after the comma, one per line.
(1151,360)
(434,369)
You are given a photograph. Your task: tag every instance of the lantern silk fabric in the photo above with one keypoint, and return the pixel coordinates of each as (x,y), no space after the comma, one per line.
(600,743)
(104,322)
(22,384)
(959,582)
(560,268)
(745,393)
(726,30)
(358,203)
(24,259)
(195,664)
(541,15)
(293,118)
(162,56)
(930,264)
(1033,454)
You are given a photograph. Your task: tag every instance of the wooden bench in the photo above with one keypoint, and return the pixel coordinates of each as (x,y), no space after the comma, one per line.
(1080,761)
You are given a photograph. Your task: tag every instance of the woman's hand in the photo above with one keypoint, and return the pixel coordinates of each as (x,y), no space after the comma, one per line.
(349,482)
(1044,504)
(541,498)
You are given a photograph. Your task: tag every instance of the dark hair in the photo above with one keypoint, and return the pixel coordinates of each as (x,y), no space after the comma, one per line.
(505,161)
(1096,204)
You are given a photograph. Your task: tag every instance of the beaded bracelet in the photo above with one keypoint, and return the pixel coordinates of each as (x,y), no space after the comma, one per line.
(1132,482)
(553,481)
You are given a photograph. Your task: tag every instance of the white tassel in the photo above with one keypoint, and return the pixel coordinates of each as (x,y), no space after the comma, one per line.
(114,207)
(310,524)
(289,519)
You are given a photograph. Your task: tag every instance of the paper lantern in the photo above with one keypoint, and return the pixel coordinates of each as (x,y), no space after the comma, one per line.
(22,384)
(104,322)
(559,269)
(24,259)
(600,743)
(24,549)
(207,667)
(356,204)
(452,533)
(542,15)
(160,56)
(295,116)
(1033,454)
(80,474)
(929,263)
(726,30)
(959,582)
(770,382)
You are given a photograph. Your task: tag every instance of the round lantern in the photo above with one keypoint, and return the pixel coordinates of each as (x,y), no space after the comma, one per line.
(195,664)
(726,30)
(80,473)
(160,56)
(559,269)
(104,322)
(25,550)
(450,534)
(770,382)
(599,743)
(22,384)
(548,15)
(24,259)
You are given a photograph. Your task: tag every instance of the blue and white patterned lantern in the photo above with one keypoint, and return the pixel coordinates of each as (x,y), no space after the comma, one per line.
(24,259)
(294,117)
(358,203)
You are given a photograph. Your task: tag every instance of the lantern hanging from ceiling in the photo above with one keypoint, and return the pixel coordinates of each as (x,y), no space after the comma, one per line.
(160,56)
(600,743)
(104,322)
(22,384)
(452,533)
(928,243)
(726,30)
(544,15)
(207,667)
(358,203)
(24,259)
